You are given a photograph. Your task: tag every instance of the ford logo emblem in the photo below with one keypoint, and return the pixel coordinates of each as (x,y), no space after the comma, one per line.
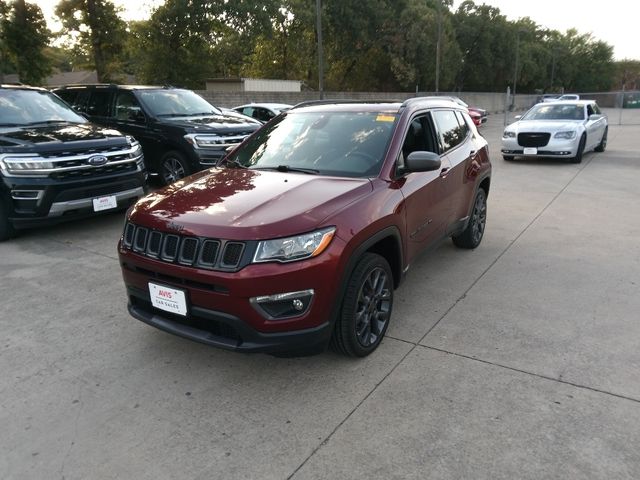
(97,160)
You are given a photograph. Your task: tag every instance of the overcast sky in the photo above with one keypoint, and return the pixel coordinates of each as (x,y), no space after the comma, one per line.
(613,21)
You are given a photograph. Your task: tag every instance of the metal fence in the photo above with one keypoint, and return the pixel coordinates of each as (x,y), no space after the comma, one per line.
(622,108)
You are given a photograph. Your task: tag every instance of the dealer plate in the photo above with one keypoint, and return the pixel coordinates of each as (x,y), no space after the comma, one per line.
(104,203)
(530,151)
(168,299)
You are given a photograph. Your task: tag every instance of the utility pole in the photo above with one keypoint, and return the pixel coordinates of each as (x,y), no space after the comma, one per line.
(320,61)
(438,45)
(515,73)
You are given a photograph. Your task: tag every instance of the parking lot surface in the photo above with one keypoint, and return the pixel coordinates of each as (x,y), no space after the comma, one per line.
(520,359)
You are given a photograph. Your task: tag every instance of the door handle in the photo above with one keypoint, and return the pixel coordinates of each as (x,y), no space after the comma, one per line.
(444,171)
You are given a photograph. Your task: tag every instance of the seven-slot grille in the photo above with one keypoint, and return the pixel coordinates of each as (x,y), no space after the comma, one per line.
(533,139)
(197,252)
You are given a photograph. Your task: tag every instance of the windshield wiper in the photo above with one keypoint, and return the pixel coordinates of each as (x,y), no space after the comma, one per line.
(11,124)
(235,163)
(287,168)
(198,114)
(47,122)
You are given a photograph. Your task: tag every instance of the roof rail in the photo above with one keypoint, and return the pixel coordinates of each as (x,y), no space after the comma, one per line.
(409,101)
(308,103)
(110,85)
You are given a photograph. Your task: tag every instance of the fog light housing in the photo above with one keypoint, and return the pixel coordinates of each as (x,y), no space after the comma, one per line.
(283,305)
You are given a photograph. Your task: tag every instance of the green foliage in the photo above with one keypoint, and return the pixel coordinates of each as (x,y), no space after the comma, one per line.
(368,45)
(25,37)
(99,32)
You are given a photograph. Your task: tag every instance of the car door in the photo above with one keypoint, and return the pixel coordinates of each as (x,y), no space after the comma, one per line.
(456,144)
(98,106)
(424,192)
(596,126)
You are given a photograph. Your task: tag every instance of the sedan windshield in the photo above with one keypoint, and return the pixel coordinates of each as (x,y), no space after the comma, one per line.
(555,112)
(176,103)
(327,143)
(20,108)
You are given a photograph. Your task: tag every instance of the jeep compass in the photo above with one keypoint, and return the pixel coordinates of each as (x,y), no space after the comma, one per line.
(298,239)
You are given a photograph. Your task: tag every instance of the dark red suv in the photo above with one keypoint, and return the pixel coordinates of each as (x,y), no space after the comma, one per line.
(299,238)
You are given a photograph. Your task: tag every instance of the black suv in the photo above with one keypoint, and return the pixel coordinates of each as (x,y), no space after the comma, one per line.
(55,166)
(180,132)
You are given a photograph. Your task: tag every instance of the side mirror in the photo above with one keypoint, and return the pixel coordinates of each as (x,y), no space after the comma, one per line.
(422,162)
(595,116)
(137,116)
(518,117)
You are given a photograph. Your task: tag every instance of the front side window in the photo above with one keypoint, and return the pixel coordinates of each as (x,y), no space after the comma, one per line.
(30,107)
(127,107)
(450,130)
(350,144)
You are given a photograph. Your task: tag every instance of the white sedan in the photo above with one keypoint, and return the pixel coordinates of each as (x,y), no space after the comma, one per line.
(263,112)
(557,129)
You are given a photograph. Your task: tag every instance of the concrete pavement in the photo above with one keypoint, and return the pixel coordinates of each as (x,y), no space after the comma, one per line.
(520,359)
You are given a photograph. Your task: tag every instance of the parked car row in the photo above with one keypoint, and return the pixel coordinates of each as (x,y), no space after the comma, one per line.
(180,132)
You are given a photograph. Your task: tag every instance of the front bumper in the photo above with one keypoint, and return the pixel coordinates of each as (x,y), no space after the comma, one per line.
(219,329)
(554,148)
(220,309)
(44,201)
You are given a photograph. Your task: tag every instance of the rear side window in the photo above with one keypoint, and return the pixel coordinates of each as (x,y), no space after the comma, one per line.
(98,103)
(451,132)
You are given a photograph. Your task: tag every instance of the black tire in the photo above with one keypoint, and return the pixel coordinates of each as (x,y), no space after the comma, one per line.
(173,167)
(602,146)
(366,308)
(578,157)
(508,158)
(472,235)
(6,228)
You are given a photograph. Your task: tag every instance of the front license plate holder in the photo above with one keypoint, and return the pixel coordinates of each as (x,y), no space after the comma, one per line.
(530,151)
(104,203)
(169,299)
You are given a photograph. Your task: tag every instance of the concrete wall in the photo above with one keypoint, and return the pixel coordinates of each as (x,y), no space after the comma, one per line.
(493,102)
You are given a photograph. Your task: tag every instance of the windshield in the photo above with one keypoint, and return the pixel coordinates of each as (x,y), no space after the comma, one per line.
(555,112)
(328,143)
(30,107)
(176,103)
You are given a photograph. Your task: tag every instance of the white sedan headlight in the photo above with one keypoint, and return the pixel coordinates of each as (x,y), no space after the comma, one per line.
(299,247)
(509,134)
(567,135)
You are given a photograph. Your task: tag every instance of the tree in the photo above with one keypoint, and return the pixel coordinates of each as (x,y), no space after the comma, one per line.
(26,36)
(100,32)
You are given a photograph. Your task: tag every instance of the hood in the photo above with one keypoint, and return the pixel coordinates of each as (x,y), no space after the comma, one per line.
(55,137)
(545,125)
(241,204)
(214,123)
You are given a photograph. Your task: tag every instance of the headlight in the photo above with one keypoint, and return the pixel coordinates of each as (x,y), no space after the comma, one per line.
(294,248)
(32,166)
(509,134)
(568,135)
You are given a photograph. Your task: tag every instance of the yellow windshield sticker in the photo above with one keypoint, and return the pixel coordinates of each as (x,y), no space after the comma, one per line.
(385,118)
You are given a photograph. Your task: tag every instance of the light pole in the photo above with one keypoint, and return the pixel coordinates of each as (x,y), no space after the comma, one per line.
(515,72)
(438,45)
(320,62)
